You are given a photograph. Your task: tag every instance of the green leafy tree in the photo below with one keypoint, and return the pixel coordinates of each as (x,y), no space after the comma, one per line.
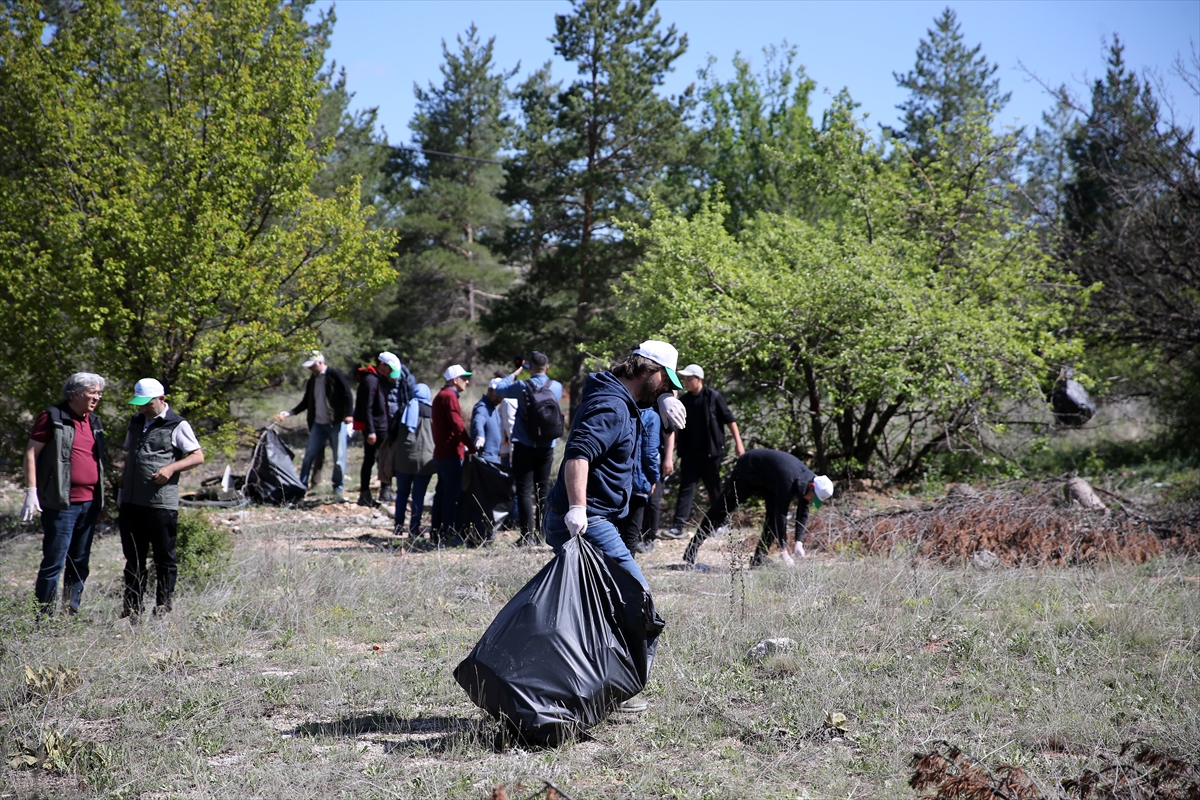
(753,127)
(587,159)
(871,342)
(156,204)
(949,83)
(449,215)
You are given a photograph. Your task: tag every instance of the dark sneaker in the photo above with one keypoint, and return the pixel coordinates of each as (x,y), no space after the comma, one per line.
(673,532)
(641,548)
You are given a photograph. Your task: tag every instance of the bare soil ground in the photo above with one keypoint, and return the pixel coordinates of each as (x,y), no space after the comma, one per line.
(321,666)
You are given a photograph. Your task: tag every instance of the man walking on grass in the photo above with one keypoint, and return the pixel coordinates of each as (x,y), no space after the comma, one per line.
(328,402)
(65,484)
(701,446)
(536,428)
(161,445)
(778,478)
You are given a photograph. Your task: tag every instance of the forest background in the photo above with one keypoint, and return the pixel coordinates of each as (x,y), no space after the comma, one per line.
(186,192)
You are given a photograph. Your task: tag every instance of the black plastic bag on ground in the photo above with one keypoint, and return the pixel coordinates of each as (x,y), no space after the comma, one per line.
(272,478)
(486,487)
(577,640)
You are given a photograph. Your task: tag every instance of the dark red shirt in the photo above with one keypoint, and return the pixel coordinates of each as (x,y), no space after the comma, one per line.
(85,471)
(449,432)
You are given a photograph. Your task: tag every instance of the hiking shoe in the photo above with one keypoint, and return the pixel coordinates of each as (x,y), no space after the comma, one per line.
(634,705)
(641,548)
(674,532)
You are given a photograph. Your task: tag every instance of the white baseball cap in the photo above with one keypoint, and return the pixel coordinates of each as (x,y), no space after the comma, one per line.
(146,390)
(693,371)
(392,361)
(314,357)
(822,490)
(495,383)
(664,354)
(456,371)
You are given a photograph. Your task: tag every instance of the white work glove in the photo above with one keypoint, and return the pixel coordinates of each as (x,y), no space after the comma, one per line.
(282,415)
(479,443)
(576,520)
(672,410)
(31,506)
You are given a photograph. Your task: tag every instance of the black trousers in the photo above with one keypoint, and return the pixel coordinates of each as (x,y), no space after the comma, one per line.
(691,472)
(736,491)
(145,530)
(531,471)
(368,465)
(630,526)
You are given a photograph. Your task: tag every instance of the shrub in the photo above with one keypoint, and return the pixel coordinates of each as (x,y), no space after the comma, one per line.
(203,549)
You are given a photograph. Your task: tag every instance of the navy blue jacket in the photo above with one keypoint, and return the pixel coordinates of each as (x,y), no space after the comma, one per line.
(604,432)
(485,422)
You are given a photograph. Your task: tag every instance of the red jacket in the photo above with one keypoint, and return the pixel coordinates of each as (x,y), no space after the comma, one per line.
(450,437)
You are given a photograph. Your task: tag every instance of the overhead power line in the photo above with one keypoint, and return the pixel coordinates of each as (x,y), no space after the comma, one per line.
(446,155)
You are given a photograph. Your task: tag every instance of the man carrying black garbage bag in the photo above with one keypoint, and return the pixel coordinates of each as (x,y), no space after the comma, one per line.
(595,480)
(778,478)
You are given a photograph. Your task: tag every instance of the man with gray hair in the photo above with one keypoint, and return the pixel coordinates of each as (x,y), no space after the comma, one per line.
(64,483)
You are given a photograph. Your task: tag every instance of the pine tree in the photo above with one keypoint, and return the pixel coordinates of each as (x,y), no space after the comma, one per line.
(947,82)
(587,159)
(449,215)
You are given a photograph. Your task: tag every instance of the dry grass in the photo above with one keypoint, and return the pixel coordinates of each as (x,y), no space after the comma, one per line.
(322,666)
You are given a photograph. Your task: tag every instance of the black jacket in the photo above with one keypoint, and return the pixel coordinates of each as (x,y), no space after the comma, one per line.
(707,416)
(337,392)
(370,407)
(778,477)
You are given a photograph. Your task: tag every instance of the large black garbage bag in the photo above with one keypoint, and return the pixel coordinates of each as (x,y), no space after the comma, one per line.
(577,640)
(272,478)
(485,487)
(1071,403)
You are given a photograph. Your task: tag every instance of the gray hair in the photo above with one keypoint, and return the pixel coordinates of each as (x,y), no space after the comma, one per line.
(80,382)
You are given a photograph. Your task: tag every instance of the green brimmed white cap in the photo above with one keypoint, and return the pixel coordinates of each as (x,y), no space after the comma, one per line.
(664,354)
(822,490)
(146,390)
(455,371)
(392,361)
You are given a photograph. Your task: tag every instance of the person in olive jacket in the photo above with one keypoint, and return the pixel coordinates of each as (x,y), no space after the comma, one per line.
(160,444)
(412,434)
(64,480)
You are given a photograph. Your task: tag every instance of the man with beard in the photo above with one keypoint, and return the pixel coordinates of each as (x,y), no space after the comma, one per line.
(595,480)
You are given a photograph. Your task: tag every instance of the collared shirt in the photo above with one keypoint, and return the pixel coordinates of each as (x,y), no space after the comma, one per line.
(183,439)
(85,469)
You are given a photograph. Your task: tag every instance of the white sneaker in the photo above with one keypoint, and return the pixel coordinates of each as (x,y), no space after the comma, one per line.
(799,550)
(787,559)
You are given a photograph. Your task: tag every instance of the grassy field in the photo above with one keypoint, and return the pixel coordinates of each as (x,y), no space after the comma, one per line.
(320,666)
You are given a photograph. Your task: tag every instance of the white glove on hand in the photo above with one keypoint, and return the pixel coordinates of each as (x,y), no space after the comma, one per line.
(672,410)
(576,520)
(480,442)
(31,506)
(282,415)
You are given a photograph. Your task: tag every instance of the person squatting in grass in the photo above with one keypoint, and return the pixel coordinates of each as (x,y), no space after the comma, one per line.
(778,478)
(532,457)
(328,402)
(160,445)
(701,447)
(450,442)
(64,483)
(412,449)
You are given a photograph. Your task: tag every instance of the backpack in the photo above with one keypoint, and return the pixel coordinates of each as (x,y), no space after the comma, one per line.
(543,417)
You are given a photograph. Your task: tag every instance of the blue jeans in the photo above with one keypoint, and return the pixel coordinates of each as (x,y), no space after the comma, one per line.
(600,532)
(333,434)
(417,484)
(445,500)
(66,543)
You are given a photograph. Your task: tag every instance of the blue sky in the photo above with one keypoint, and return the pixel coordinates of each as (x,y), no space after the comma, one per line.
(387,45)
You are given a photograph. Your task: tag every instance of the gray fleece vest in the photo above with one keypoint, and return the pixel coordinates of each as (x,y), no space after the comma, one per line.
(150,451)
(54,462)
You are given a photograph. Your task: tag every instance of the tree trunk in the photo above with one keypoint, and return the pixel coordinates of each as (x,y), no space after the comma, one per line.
(1078,491)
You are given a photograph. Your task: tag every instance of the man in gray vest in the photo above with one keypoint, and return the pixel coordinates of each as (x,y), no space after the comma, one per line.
(161,445)
(64,480)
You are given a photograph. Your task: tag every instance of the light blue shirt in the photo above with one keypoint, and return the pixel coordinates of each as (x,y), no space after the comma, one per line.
(516,390)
